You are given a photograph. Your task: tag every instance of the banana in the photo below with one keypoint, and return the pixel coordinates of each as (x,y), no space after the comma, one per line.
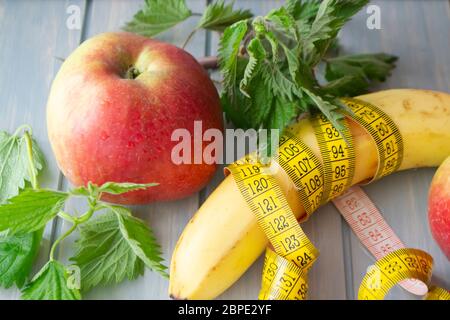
(223,238)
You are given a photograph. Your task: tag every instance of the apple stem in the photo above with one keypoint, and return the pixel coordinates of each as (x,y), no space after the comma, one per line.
(132,73)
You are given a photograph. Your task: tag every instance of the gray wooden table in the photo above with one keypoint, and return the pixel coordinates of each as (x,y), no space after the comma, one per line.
(34,34)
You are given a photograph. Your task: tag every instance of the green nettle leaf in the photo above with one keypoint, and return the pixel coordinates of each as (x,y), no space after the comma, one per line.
(14,170)
(280,52)
(261,102)
(281,114)
(80,191)
(228,52)
(235,106)
(330,18)
(141,240)
(103,255)
(109,249)
(119,188)
(285,22)
(17,254)
(30,210)
(304,11)
(111,188)
(257,54)
(330,110)
(273,41)
(51,283)
(218,16)
(281,83)
(349,85)
(158,16)
(353,74)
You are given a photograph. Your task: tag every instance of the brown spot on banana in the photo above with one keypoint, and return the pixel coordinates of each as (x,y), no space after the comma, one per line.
(407,104)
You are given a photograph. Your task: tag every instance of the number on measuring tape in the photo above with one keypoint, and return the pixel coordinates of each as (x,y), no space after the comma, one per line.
(304,169)
(397,266)
(282,279)
(285,270)
(384,132)
(376,235)
(266,200)
(338,156)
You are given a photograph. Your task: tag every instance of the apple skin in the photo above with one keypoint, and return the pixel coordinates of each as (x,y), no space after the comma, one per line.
(105,127)
(439,207)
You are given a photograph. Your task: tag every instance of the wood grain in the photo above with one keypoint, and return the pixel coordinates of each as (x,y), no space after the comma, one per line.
(166,219)
(324,229)
(32,35)
(417,31)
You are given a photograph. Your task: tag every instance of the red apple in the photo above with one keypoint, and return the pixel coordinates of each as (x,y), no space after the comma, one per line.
(439,207)
(113,107)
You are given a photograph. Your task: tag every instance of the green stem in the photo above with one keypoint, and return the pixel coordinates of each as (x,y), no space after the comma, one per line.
(85,217)
(23,127)
(31,168)
(66,216)
(189,38)
(57,241)
(75,222)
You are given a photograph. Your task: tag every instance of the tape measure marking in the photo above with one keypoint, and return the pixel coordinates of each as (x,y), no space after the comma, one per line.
(285,272)
(372,230)
(384,132)
(295,253)
(396,266)
(305,170)
(338,156)
(267,201)
(282,279)
(436,293)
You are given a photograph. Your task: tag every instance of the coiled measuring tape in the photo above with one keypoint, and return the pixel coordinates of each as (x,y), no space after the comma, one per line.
(304,169)
(410,268)
(285,272)
(397,266)
(267,201)
(295,253)
(384,132)
(338,156)
(373,231)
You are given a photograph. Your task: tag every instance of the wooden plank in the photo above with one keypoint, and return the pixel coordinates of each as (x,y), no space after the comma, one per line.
(32,35)
(418,32)
(327,277)
(166,219)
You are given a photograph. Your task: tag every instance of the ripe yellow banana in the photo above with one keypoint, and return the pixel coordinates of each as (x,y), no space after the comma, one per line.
(223,239)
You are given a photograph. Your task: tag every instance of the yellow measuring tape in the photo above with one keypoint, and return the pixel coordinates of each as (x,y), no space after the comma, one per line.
(285,270)
(267,201)
(304,169)
(338,156)
(383,131)
(398,265)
